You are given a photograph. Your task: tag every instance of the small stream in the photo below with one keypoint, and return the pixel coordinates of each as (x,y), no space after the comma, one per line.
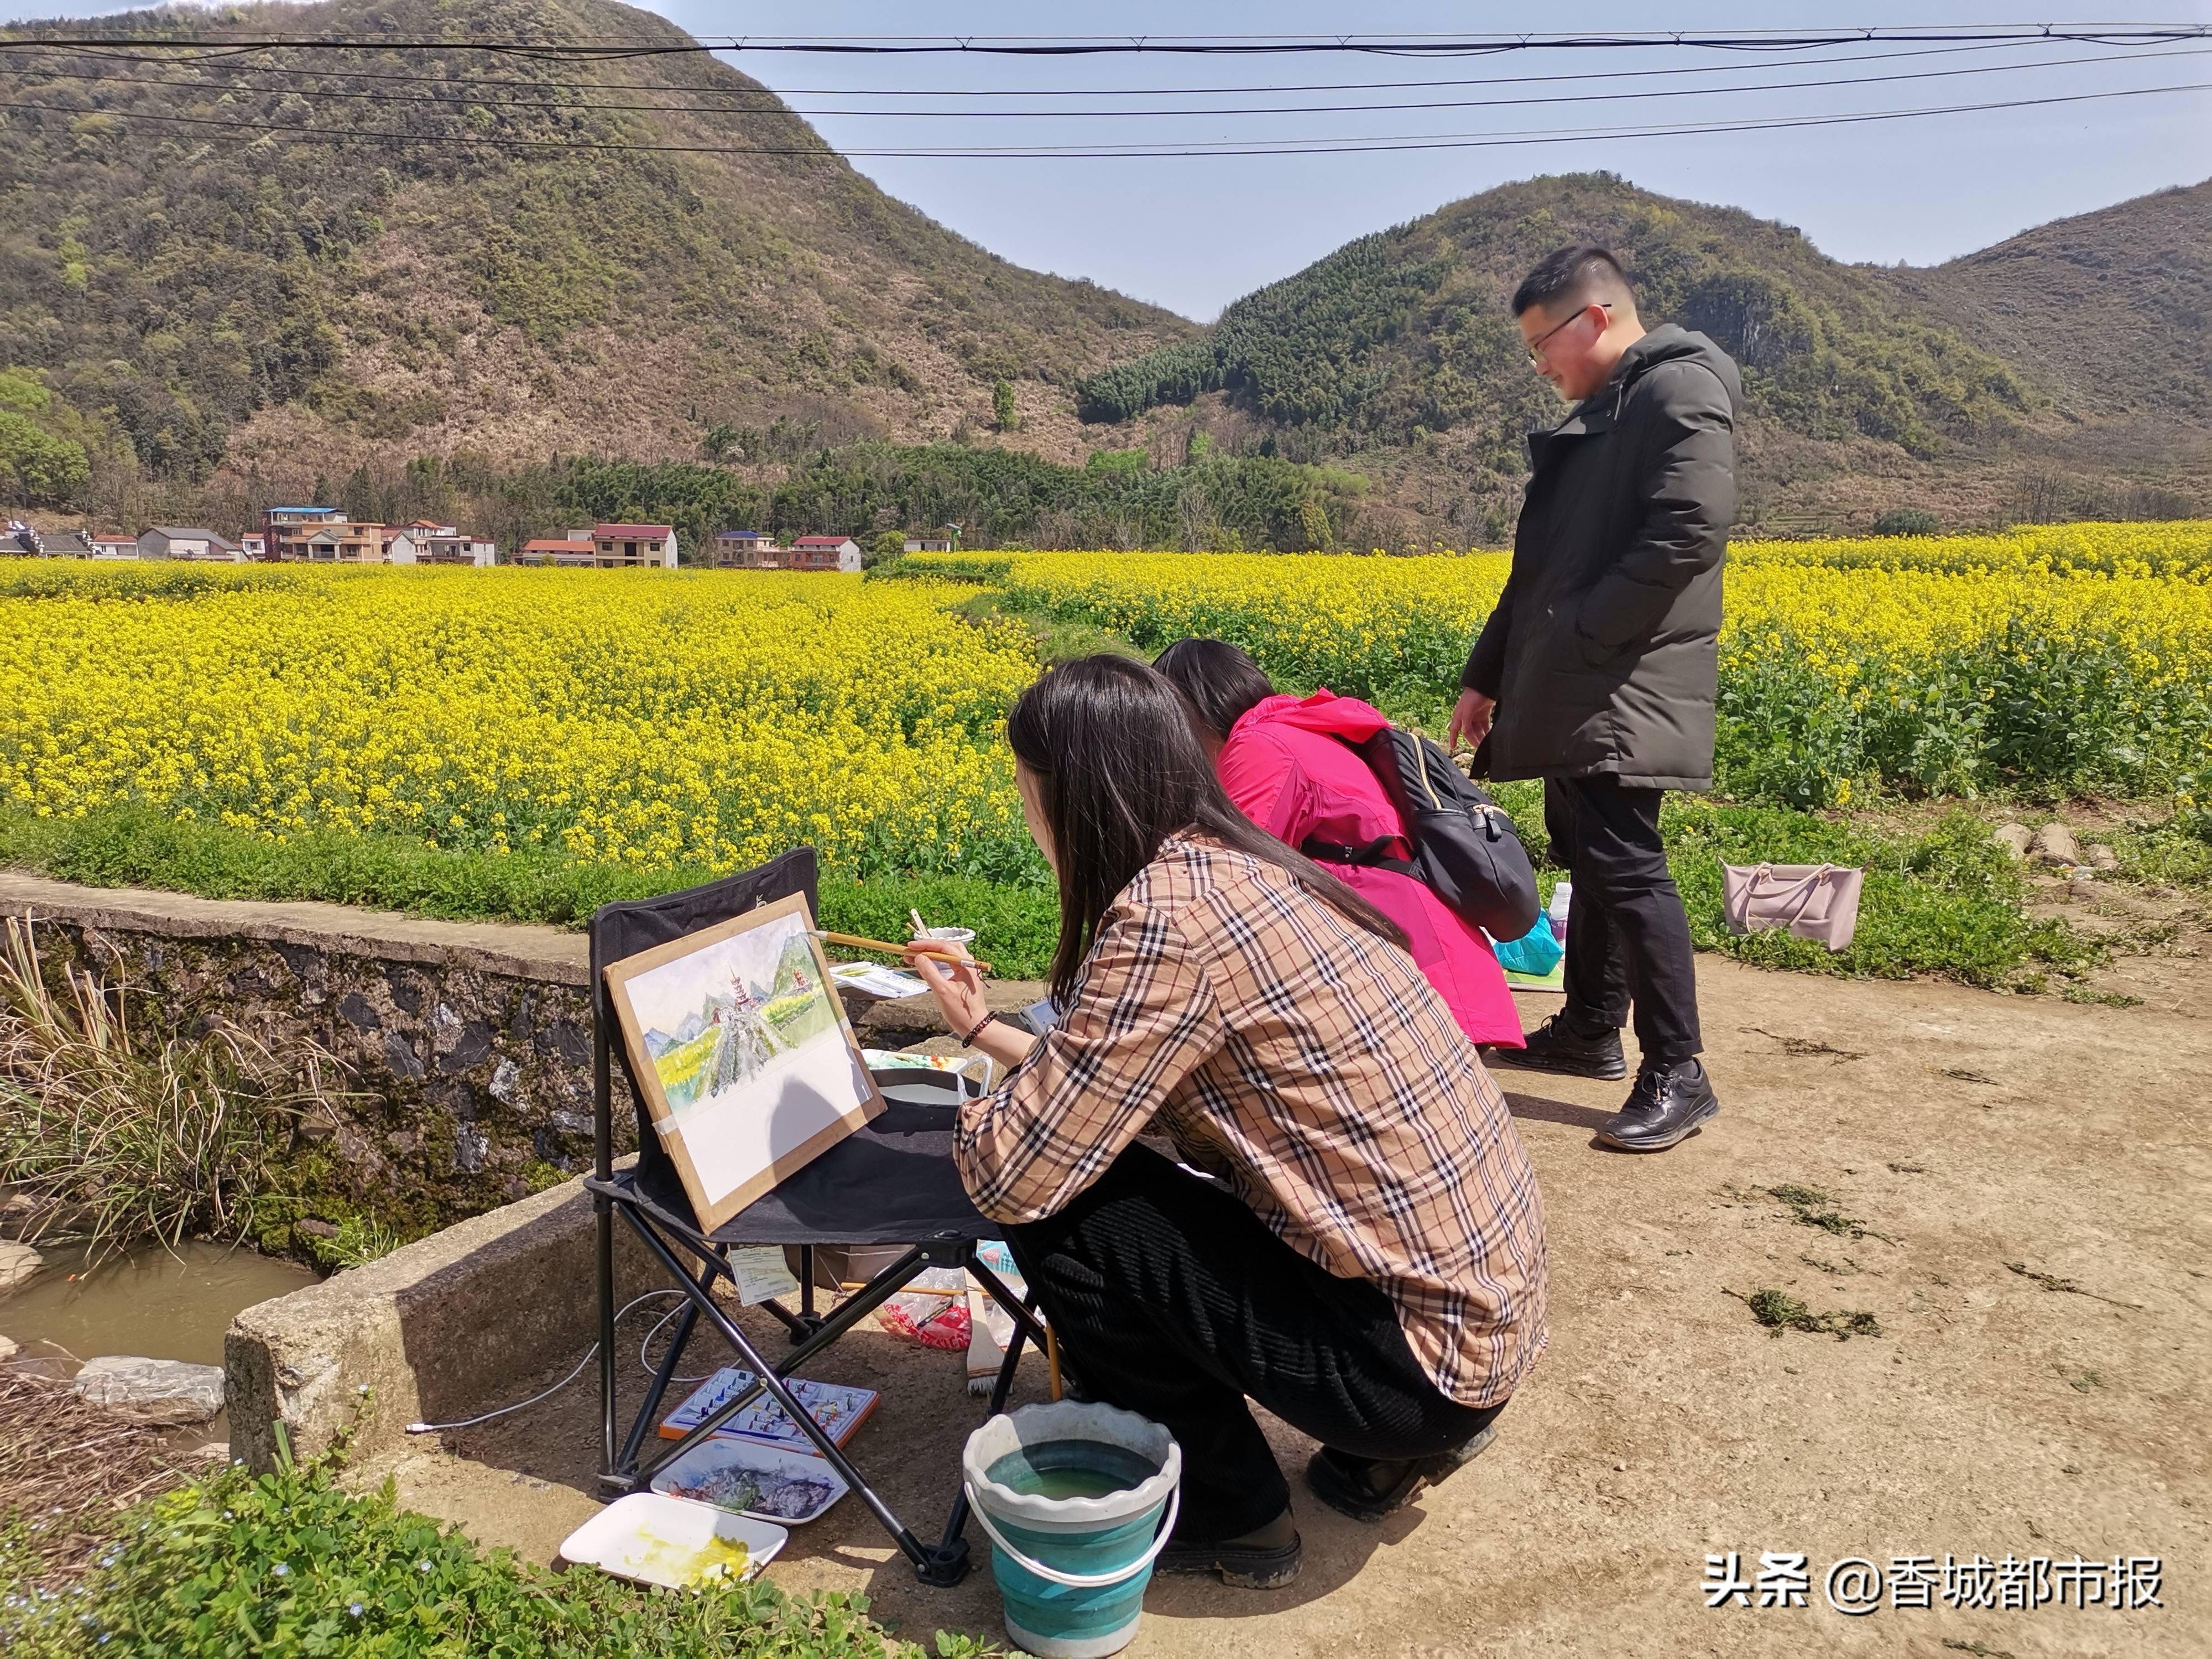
(156,1302)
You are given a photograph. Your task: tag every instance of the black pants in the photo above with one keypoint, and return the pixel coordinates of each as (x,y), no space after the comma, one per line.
(1628,939)
(1171,1299)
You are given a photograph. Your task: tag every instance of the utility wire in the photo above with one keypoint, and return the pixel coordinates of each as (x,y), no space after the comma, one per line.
(1413,45)
(238,67)
(1132,152)
(386,98)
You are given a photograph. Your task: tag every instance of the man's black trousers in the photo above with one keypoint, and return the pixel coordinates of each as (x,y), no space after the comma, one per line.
(1628,941)
(1171,1299)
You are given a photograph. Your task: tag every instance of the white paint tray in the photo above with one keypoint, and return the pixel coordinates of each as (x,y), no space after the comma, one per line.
(654,1540)
(716,1472)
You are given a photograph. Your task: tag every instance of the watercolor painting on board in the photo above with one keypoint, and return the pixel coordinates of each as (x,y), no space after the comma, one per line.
(737,1036)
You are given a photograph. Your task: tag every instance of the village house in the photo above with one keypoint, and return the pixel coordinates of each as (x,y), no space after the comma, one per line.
(343,541)
(823,553)
(427,543)
(285,529)
(176,542)
(623,545)
(929,543)
(574,551)
(170,542)
(747,549)
(254,546)
(114,547)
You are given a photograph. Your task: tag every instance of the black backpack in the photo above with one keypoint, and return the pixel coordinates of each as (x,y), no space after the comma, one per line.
(1465,848)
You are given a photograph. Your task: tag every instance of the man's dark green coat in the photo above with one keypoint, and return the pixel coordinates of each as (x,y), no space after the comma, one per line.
(1602,653)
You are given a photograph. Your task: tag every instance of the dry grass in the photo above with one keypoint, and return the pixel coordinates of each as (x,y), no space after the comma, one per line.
(120,1135)
(68,1470)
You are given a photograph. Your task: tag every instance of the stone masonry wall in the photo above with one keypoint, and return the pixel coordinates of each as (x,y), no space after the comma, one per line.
(466,1047)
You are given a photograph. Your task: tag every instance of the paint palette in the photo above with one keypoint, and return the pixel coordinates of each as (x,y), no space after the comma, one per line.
(651,1539)
(760,1481)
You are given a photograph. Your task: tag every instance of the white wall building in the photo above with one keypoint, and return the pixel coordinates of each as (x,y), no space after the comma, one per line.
(171,542)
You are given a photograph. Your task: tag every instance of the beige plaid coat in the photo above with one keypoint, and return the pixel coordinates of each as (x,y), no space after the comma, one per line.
(1307,1064)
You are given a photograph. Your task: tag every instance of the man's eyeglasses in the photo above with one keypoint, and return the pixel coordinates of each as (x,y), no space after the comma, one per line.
(1537,346)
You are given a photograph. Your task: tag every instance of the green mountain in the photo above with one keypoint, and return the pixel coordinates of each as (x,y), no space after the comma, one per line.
(1866,388)
(296,264)
(426,282)
(2108,314)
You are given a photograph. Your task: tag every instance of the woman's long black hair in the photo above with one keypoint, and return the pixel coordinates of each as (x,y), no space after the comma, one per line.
(1119,770)
(1221,682)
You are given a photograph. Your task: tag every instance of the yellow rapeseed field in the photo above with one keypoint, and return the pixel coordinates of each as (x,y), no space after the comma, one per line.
(649,718)
(2078,656)
(712,718)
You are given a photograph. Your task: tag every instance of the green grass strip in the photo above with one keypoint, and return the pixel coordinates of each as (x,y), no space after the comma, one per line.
(1944,902)
(142,847)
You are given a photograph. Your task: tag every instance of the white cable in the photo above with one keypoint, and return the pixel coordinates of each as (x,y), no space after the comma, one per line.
(470,1422)
(645,1365)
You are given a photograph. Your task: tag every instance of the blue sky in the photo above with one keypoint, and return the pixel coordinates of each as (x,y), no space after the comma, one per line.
(1193,234)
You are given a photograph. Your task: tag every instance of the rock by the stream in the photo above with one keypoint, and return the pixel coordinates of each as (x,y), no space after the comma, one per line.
(19,1263)
(2100,857)
(2055,844)
(9,1349)
(2014,838)
(162,1392)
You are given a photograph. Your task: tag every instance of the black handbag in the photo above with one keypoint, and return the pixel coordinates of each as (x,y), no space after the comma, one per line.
(1465,848)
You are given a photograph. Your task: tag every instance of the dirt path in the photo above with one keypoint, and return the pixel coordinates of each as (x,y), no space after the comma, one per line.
(2000,1412)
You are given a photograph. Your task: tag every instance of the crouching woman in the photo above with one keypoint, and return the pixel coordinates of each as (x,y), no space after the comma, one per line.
(1364,1253)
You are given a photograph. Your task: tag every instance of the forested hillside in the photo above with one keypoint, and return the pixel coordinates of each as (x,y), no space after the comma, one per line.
(2109,313)
(237,262)
(465,280)
(1397,354)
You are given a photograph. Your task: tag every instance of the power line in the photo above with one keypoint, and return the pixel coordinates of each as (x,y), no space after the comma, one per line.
(590,48)
(235,66)
(1137,152)
(1043,92)
(385,98)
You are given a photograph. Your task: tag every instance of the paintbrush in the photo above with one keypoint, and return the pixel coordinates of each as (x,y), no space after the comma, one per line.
(943,953)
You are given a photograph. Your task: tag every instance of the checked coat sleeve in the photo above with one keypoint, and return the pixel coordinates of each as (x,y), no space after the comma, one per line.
(1141,1017)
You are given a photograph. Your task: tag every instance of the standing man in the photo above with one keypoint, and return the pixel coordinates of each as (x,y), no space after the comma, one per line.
(1600,664)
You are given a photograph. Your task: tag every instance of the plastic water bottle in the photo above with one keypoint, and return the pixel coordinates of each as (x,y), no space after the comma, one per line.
(1562,896)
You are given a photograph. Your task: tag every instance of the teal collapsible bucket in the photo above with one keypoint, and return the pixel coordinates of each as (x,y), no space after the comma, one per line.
(1078,1500)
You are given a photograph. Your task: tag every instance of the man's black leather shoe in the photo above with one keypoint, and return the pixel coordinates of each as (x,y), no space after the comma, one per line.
(1556,1045)
(1666,1106)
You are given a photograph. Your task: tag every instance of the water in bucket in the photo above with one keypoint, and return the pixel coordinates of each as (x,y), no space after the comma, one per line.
(1071,1468)
(1078,1500)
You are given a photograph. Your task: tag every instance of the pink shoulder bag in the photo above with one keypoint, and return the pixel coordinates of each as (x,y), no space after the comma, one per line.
(1812,901)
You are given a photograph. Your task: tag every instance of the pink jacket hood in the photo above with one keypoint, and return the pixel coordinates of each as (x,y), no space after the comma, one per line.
(1324,712)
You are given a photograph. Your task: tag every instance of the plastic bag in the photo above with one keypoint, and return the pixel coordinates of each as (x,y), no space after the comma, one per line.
(932,1311)
(1535,952)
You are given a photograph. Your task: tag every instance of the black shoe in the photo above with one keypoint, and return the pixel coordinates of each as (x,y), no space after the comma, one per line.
(1258,1560)
(1556,1045)
(1367,1488)
(1666,1106)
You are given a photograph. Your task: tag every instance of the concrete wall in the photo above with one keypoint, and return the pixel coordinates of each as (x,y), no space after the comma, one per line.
(467,1045)
(442,1329)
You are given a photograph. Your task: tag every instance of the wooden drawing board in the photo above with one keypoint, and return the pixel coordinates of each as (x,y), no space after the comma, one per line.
(740,1104)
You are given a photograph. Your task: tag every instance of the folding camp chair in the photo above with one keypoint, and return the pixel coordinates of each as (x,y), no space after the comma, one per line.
(891,1182)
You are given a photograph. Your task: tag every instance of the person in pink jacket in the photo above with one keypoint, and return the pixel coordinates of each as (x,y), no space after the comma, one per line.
(1281,763)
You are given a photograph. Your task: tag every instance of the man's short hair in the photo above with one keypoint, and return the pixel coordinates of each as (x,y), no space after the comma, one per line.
(1574,276)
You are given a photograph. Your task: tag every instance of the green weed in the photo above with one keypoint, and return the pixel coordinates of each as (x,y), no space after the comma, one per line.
(1779,1311)
(289,1564)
